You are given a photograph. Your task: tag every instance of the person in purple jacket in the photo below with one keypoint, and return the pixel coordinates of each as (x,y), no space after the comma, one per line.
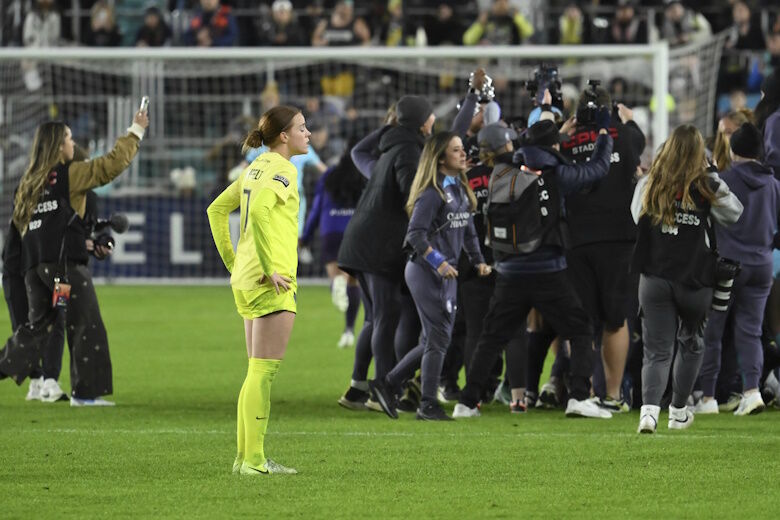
(749,241)
(441,206)
(335,198)
(767,116)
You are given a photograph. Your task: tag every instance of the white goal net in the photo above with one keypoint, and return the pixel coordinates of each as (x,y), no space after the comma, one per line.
(204,102)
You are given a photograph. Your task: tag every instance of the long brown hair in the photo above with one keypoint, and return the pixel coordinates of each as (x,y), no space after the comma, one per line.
(428,171)
(275,121)
(679,166)
(44,156)
(721,147)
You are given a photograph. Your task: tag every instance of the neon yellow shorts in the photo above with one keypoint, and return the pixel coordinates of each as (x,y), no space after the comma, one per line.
(256,303)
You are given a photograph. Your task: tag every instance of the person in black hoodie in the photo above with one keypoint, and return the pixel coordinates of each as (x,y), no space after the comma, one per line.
(365,155)
(371,249)
(603,235)
(538,279)
(749,241)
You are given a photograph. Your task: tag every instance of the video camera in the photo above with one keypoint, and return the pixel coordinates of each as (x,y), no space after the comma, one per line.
(546,77)
(101,235)
(586,114)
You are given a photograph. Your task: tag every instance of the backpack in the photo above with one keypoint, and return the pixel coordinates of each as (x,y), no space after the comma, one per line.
(522,208)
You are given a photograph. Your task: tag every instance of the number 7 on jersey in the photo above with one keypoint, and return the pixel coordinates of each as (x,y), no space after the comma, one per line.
(248,193)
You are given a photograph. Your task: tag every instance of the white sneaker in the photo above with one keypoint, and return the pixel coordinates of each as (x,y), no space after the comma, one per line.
(34,392)
(98,401)
(51,391)
(462,411)
(338,293)
(648,418)
(347,339)
(586,408)
(750,404)
(680,418)
(706,407)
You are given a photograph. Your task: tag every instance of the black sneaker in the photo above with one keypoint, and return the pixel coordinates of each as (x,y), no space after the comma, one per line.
(383,395)
(354,399)
(432,412)
(410,400)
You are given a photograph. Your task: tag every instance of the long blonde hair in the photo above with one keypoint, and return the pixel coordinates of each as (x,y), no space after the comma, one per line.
(721,147)
(44,156)
(428,171)
(679,166)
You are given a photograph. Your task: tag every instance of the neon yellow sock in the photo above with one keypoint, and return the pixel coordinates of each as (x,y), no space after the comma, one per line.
(240,426)
(257,407)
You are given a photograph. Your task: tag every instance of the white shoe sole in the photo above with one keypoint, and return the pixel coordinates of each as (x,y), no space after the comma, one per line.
(755,411)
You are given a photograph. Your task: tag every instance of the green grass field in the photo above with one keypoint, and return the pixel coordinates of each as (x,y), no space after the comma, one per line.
(166,449)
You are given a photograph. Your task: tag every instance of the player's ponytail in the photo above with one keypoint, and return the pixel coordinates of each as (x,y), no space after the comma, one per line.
(271,124)
(253,140)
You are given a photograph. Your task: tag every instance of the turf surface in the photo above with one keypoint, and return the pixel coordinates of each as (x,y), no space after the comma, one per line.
(166,449)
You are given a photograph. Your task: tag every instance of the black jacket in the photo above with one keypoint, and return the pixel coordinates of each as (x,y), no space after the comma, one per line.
(374,237)
(601,212)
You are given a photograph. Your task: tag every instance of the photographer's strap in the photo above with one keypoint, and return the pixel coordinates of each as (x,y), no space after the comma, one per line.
(62,260)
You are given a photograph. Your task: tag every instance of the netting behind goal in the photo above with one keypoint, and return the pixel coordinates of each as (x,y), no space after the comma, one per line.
(202,107)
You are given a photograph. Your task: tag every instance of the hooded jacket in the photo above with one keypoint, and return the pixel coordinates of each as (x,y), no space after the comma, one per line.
(374,238)
(569,178)
(750,239)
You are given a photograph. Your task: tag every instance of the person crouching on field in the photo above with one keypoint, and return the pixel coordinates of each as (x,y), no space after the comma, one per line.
(263,270)
(441,206)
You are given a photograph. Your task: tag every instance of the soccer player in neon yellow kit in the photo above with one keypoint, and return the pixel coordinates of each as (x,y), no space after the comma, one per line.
(263,270)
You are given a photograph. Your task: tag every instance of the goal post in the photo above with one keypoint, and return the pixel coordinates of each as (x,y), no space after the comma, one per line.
(204,100)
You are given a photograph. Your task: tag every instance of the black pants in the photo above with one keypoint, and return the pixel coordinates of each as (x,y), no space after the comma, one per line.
(90,371)
(15,294)
(383,295)
(514,297)
(475,296)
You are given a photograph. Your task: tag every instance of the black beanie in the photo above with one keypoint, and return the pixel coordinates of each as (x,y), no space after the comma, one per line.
(413,111)
(746,142)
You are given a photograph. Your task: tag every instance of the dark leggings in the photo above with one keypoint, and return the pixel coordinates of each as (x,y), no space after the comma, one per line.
(382,295)
(90,374)
(15,294)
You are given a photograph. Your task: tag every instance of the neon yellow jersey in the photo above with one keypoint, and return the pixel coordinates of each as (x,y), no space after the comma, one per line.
(268,171)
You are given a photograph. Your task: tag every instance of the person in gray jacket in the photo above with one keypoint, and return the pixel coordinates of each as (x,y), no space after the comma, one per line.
(441,206)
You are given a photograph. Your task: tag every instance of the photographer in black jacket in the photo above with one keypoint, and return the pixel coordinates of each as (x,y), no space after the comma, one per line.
(49,210)
(538,278)
(603,234)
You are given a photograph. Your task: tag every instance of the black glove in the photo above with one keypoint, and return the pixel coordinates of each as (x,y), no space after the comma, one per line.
(602,118)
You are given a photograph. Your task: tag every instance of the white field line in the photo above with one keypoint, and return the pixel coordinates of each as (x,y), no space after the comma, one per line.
(182,431)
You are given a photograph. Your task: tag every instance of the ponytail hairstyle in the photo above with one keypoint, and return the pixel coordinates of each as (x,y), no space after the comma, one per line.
(679,166)
(721,147)
(45,154)
(275,121)
(428,171)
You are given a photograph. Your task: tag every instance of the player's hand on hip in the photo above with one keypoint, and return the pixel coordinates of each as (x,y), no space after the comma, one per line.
(447,271)
(280,282)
